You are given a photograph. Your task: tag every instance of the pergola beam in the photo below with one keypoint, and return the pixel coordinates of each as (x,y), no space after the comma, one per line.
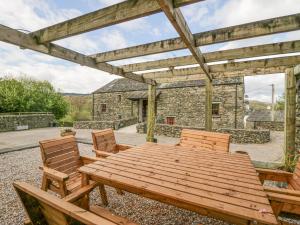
(238,32)
(238,53)
(114,14)
(25,41)
(274,65)
(177,20)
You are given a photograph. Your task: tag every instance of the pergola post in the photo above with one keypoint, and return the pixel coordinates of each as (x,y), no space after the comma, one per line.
(290,116)
(151,113)
(208,104)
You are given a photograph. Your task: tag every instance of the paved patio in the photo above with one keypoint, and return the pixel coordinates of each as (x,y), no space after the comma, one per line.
(269,153)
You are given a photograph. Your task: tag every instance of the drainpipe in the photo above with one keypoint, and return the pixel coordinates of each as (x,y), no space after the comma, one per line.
(236,107)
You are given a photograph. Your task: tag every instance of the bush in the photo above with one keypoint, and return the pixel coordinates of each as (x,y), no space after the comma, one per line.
(28,95)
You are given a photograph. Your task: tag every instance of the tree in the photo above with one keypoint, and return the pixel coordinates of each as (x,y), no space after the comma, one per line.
(28,95)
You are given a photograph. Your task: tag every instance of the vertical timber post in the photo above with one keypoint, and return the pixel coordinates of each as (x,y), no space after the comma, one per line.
(208,105)
(151,113)
(290,117)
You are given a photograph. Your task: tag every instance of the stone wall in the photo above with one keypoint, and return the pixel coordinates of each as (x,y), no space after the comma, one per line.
(186,104)
(10,122)
(266,125)
(298,115)
(243,136)
(118,107)
(117,124)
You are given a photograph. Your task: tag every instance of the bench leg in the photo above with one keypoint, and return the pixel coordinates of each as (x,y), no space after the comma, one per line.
(103,194)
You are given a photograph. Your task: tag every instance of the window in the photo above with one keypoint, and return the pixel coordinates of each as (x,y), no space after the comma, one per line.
(216,109)
(170,120)
(103,107)
(119,98)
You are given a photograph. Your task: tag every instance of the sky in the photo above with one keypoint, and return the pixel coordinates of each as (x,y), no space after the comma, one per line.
(31,15)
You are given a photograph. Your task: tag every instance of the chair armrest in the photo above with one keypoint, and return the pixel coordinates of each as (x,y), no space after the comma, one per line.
(274,175)
(122,147)
(102,154)
(79,193)
(88,159)
(284,191)
(284,198)
(54,174)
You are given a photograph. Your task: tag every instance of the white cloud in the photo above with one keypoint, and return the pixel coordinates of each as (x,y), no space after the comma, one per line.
(113,39)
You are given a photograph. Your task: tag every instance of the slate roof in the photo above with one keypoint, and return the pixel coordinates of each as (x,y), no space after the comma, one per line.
(123,84)
(135,95)
(265,115)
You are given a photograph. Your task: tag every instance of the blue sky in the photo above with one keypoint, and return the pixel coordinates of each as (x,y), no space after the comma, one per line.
(32,15)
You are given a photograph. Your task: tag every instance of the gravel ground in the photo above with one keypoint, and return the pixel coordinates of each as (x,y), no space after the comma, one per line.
(23,166)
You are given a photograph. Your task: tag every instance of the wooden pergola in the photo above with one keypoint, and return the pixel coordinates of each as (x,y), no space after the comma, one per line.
(42,41)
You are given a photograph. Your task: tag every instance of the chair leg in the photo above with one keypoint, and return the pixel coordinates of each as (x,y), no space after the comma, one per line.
(103,194)
(45,183)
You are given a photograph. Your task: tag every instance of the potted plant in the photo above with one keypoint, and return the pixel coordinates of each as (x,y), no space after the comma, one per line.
(67,132)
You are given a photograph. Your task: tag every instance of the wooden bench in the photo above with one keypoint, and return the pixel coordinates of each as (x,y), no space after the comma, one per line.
(205,140)
(43,208)
(61,159)
(104,143)
(283,199)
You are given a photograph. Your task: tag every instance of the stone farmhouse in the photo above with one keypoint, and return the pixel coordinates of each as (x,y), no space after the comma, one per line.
(180,103)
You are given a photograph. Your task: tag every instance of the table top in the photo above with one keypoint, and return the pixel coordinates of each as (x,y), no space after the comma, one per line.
(216,184)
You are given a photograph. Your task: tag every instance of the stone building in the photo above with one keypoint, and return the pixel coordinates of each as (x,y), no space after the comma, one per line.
(180,103)
(298,115)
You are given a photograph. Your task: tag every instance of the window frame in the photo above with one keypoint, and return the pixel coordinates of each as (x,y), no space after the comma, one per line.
(212,109)
(103,107)
(168,118)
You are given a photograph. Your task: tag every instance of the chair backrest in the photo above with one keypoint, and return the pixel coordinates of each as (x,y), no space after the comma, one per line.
(294,182)
(205,140)
(104,140)
(44,208)
(61,154)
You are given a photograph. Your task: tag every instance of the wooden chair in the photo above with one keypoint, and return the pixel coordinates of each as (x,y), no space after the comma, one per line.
(283,199)
(104,143)
(61,159)
(43,208)
(205,140)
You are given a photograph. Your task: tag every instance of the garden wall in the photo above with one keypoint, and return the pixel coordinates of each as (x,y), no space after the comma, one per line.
(237,135)
(117,124)
(14,121)
(269,125)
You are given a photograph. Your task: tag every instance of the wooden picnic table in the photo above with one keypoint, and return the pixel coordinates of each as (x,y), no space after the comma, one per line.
(216,184)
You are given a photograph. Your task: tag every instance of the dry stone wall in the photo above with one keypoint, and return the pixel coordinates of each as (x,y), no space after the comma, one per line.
(10,122)
(243,136)
(117,124)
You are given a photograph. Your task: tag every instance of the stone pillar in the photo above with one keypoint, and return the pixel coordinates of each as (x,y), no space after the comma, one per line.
(290,116)
(151,113)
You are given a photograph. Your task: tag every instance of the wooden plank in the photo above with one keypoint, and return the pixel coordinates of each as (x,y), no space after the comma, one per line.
(183,180)
(238,32)
(151,114)
(208,104)
(194,177)
(290,116)
(246,68)
(184,186)
(178,198)
(114,14)
(188,164)
(26,41)
(31,198)
(231,54)
(177,20)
